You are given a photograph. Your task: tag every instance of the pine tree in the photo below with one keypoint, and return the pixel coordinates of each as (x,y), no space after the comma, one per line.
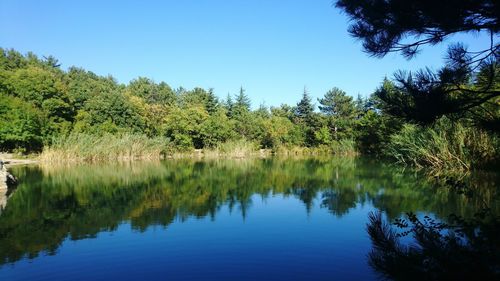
(305,108)
(242,100)
(229,104)
(337,103)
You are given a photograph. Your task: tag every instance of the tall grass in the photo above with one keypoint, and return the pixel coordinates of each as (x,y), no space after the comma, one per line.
(235,149)
(107,147)
(341,148)
(446,145)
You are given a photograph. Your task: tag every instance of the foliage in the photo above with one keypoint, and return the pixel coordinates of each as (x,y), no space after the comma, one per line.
(384,25)
(183,126)
(374,131)
(341,113)
(337,103)
(217,129)
(467,82)
(426,96)
(304,109)
(20,125)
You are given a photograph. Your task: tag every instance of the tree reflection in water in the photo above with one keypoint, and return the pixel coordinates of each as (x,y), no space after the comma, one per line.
(458,249)
(53,204)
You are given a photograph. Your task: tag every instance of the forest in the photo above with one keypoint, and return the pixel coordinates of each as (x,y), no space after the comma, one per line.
(76,113)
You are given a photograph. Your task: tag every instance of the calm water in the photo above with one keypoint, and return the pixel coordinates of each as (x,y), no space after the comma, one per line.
(271,219)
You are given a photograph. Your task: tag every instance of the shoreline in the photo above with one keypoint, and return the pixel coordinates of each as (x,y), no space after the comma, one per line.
(10,160)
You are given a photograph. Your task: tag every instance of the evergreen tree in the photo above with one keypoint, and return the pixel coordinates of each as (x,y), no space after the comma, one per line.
(337,103)
(361,105)
(242,103)
(211,101)
(305,108)
(229,104)
(306,119)
(406,26)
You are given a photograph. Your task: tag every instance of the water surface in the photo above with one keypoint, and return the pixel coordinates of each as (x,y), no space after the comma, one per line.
(271,219)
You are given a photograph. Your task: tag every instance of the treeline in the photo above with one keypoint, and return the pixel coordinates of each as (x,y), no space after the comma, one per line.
(41,103)
(43,107)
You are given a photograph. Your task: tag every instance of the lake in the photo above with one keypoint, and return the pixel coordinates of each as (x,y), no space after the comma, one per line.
(253,219)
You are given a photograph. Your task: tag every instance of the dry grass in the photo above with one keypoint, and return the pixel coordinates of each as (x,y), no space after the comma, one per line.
(340,148)
(92,148)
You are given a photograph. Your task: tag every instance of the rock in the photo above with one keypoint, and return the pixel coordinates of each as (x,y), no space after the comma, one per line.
(6,179)
(3,176)
(3,199)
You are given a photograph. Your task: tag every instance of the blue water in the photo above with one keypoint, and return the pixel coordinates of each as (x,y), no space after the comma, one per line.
(267,220)
(277,240)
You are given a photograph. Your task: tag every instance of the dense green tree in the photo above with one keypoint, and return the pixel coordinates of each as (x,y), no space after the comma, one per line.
(82,85)
(154,116)
(263,111)
(151,92)
(340,111)
(183,126)
(20,125)
(43,88)
(283,110)
(323,136)
(374,132)
(111,111)
(245,125)
(201,97)
(277,131)
(361,105)
(337,103)
(216,129)
(35,84)
(11,59)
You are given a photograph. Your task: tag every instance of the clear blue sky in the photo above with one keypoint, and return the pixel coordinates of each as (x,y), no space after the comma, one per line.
(271,48)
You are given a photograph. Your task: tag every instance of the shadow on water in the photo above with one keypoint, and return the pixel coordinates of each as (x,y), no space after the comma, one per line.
(417,247)
(53,204)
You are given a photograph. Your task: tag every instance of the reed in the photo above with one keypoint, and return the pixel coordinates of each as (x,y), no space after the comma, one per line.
(446,145)
(340,148)
(235,149)
(77,148)
(106,147)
